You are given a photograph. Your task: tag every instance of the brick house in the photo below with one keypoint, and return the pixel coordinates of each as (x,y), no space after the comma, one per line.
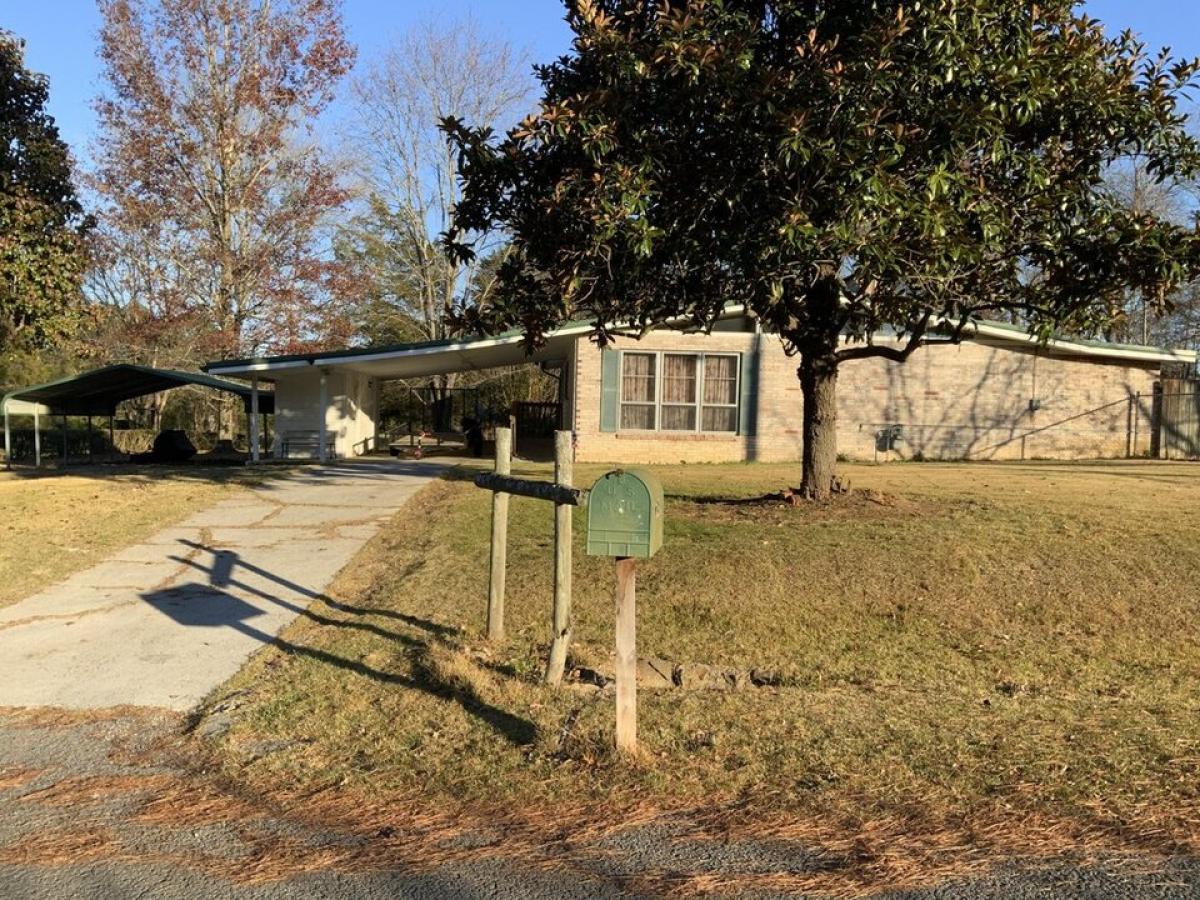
(733,395)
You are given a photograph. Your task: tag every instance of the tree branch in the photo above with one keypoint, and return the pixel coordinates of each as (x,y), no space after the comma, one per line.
(895,354)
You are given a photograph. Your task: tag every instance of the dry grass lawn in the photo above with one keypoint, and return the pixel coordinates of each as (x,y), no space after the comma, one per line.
(53,524)
(976,659)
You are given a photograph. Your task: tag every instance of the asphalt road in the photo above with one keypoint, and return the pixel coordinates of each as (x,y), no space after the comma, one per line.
(113,808)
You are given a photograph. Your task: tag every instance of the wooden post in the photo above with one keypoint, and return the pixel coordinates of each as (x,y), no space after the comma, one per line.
(89,439)
(495,615)
(7,441)
(561,642)
(626,655)
(112,439)
(65,448)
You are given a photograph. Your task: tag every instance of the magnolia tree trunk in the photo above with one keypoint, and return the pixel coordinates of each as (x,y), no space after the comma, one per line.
(818,384)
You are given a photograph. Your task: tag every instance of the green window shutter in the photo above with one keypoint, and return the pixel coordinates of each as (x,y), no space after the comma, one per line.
(610,386)
(748,393)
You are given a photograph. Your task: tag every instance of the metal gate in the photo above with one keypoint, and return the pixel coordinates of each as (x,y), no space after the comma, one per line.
(535,426)
(1177,415)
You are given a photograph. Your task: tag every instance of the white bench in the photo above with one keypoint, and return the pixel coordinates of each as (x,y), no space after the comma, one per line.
(306,443)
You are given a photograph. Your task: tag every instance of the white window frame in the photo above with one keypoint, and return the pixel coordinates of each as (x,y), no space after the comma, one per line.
(700,357)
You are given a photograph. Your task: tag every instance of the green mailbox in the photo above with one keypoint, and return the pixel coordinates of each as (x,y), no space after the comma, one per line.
(625,513)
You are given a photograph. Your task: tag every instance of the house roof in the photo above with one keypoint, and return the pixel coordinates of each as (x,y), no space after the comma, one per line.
(508,348)
(415,359)
(1005,332)
(97,392)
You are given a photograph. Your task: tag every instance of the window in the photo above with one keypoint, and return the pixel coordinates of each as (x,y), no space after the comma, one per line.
(679,392)
(638,391)
(719,411)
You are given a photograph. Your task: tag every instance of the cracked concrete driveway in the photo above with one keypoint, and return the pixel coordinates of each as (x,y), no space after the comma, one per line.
(165,621)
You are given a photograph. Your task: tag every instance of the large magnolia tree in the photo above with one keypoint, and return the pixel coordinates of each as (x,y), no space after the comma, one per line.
(42,226)
(845,168)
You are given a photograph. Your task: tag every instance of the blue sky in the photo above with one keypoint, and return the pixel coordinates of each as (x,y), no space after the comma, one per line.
(60,35)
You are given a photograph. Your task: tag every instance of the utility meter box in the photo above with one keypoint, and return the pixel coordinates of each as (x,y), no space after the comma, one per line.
(625,514)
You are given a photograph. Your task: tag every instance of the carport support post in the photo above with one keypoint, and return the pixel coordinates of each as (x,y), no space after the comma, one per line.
(375,390)
(112,438)
(254,420)
(89,438)
(495,614)
(561,642)
(7,441)
(65,448)
(323,417)
(626,655)
(37,440)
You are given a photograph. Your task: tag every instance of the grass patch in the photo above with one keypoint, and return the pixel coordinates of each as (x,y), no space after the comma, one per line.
(55,524)
(976,656)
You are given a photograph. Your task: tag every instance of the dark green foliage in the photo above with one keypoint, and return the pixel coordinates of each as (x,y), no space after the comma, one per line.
(924,159)
(33,159)
(42,256)
(840,166)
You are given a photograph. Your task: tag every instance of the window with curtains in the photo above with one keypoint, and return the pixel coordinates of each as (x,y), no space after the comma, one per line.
(679,392)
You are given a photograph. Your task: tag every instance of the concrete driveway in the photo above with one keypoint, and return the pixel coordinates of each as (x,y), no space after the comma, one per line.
(165,621)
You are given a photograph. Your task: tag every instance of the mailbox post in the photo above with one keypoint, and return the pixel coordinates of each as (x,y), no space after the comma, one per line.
(625,512)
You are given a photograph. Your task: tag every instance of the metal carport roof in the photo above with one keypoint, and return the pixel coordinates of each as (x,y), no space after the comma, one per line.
(97,393)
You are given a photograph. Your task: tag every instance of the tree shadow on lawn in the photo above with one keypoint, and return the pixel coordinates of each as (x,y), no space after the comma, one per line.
(209,605)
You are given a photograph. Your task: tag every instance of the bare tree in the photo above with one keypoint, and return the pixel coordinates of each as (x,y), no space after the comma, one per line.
(207,164)
(1135,315)
(410,174)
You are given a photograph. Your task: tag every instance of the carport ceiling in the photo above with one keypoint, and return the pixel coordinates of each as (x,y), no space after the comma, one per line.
(97,393)
(411,360)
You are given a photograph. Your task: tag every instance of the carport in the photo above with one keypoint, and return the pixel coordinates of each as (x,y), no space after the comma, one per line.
(98,392)
(328,403)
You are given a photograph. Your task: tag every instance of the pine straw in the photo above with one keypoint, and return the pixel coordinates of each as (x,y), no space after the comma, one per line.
(864,856)
(16,776)
(60,847)
(909,853)
(859,856)
(54,717)
(192,803)
(96,788)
